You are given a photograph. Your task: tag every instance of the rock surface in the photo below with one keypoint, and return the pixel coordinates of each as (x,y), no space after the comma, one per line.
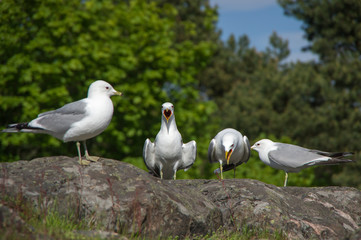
(117,197)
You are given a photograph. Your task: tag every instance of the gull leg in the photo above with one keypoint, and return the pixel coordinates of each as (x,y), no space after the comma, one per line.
(160,167)
(221,167)
(87,156)
(286,180)
(81,162)
(175,167)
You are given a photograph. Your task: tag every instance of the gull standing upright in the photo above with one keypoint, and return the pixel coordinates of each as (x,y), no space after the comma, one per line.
(76,121)
(293,158)
(168,153)
(230,149)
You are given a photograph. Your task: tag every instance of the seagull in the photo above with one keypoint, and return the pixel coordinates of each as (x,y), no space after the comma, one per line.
(293,158)
(230,149)
(168,154)
(76,121)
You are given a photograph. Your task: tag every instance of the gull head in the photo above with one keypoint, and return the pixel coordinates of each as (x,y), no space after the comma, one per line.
(102,88)
(229,144)
(167,110)
(262,145)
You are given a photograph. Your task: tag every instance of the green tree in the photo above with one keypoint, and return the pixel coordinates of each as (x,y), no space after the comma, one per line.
(314,104)
(333,30)
(243,83)
(279,48)
(262,97)
(52,50)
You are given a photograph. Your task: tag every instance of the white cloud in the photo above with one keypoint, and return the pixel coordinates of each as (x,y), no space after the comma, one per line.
(242,5)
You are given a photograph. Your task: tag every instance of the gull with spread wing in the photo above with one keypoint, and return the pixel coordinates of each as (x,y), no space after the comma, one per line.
(168,154)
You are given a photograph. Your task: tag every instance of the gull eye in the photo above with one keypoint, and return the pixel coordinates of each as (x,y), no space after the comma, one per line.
(232,145)
(258,144)
(106,87)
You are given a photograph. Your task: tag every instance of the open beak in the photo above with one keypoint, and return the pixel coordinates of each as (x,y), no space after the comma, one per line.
(167,114)
(228,155)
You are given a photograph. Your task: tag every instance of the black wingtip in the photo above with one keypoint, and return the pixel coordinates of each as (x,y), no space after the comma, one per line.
(333,154)
(17,127)
(341,154)
(346,154)
(20,126)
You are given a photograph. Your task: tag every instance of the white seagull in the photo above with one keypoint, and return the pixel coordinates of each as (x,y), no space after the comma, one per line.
(76,121)
(168,153)
(230,149)
(293,158)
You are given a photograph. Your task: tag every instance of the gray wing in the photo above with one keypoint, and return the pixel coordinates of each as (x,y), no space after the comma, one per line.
(246,156)
(292,156)
(212,150)
(60,120)
(74,108)
(189,154)
(148,155)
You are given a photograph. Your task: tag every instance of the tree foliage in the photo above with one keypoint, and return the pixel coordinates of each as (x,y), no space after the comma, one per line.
(165,50)
(333,27)
(52,50)
(313,104)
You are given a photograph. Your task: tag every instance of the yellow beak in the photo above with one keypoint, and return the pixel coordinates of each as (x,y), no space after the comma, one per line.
(118,93)
(228,155)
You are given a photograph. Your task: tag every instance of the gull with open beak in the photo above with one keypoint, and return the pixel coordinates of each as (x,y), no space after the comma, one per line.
(230,149)
(168,154)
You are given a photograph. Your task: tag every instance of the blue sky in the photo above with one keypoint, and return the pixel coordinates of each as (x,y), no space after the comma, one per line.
(258,19)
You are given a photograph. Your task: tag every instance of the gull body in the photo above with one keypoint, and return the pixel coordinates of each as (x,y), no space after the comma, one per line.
(293,158)
(168,154)
(230,148)
(76,121)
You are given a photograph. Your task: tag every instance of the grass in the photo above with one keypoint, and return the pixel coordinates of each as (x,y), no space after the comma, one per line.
(39,224)
(54,225)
